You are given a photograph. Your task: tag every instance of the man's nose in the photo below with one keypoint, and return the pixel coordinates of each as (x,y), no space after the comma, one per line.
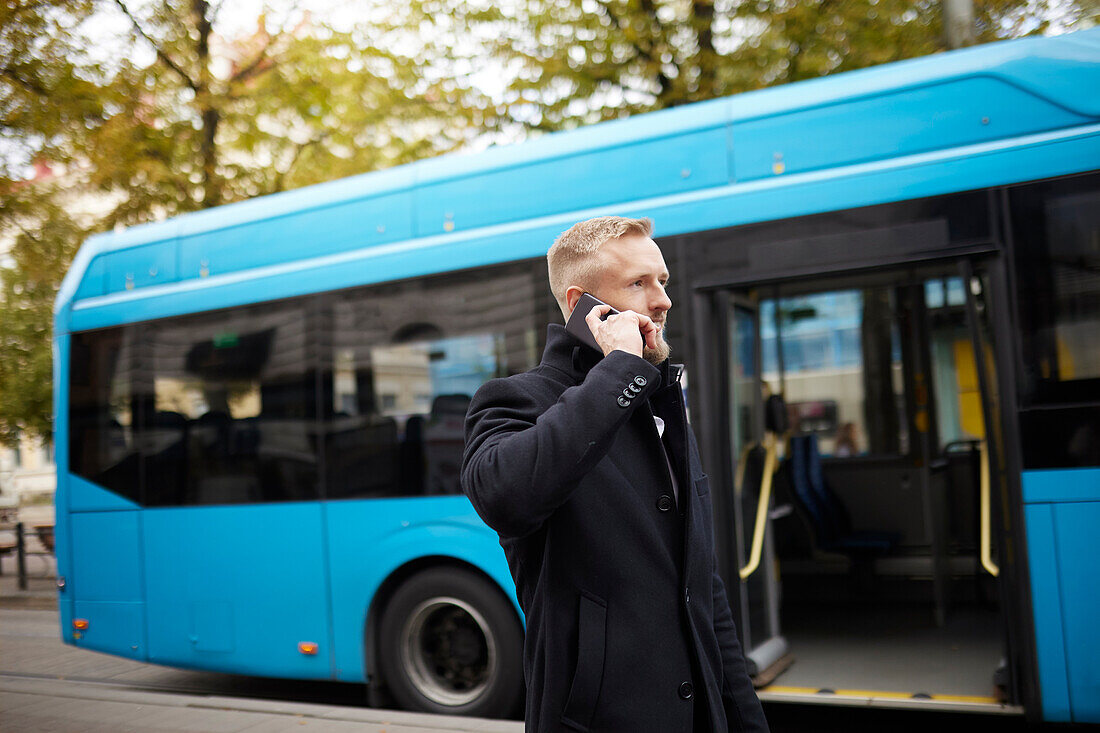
(662,302)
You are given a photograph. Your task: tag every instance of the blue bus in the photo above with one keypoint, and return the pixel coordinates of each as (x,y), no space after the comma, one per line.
(887,297)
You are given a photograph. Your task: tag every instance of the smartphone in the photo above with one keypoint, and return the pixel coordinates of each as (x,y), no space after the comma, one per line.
(579,327)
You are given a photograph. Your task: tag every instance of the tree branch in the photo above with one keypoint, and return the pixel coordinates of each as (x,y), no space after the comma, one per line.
(280,179)
(234,93)
(160,53)
(29,85)
(253,66)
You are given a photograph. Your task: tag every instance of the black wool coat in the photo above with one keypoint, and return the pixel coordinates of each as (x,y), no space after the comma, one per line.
(628,624)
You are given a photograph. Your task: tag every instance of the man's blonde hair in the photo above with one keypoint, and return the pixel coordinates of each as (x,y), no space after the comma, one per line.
(573,260)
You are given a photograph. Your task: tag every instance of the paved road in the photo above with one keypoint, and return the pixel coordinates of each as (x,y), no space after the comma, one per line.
(30,645)
(64,706)
(48,686)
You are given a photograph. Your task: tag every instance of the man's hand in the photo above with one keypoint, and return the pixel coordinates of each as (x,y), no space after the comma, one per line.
(627,331)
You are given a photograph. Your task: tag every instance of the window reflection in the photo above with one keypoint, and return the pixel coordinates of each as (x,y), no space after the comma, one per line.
(231,418)
(840,368)
(1073,240)
(102,437)
(1056,232)
(405,361)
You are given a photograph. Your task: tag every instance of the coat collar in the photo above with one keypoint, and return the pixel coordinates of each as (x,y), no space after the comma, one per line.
(568,354)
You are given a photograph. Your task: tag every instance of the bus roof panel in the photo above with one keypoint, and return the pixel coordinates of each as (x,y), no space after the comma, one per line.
(938,116)
(1060,69)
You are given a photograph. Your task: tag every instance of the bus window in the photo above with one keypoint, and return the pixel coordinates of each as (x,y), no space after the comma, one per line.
(406,359)
(230,419)
(102,438)
(1056,227)
(852,404)
(1059,225)
(958,408)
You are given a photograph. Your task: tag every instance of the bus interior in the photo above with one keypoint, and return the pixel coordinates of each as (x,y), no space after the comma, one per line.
(868,578)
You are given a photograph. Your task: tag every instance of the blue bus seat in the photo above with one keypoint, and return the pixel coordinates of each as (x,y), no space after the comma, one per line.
(829,521)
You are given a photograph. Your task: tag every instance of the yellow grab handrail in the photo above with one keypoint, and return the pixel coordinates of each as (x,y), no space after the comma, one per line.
(761,507)
(740,479)
(987,560)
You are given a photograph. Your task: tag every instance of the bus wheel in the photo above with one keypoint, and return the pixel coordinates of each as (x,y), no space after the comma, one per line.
(449,642)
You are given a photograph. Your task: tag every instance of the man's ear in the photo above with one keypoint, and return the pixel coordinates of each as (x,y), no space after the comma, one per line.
(572,294)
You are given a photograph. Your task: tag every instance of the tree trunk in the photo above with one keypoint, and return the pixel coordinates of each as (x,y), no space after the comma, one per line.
(703,19)
(211,186)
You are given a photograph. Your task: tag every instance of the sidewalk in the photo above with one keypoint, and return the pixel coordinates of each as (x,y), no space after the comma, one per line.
(63,706)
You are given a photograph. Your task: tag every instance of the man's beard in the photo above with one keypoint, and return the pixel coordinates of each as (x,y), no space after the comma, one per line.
(659,354)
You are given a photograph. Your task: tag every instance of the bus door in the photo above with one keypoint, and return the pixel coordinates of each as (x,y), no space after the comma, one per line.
(995,532)
(755,453)
(864,517)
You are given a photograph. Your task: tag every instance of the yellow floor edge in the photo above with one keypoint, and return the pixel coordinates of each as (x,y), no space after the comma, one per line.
(884,694)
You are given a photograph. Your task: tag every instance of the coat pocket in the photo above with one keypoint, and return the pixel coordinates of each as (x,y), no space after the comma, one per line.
(580,705)
(702,485)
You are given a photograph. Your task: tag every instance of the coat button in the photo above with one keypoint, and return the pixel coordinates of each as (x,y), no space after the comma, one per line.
(664,502)
(686,690)
(640,380)
(623,402)
(687,595)
(634,389)
(628,394)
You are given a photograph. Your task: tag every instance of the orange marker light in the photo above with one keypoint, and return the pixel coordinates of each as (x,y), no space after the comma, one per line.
(80,623)
(307,647)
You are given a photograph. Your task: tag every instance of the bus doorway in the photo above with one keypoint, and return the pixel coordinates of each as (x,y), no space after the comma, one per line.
(864,527)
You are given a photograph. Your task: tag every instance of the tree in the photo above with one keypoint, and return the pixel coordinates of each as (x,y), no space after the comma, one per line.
(44,93)
(38,64)
(179,118)
(291,105)
(40,251)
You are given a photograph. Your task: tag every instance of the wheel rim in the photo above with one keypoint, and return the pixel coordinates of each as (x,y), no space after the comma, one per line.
(448,651)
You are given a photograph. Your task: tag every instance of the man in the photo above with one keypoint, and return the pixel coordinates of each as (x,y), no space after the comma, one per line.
(587,469)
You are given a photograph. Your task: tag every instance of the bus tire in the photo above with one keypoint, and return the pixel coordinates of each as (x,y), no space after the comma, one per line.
(449,642)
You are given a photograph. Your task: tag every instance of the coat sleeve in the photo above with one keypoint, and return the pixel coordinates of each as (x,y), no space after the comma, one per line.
(521,461)
(743,709)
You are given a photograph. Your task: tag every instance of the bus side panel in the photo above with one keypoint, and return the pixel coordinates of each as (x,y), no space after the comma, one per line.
(1063,513)
(237,588)
(106,583)
(369,540)
(62,527)
(86,496)
(1047,610)
(1075,525)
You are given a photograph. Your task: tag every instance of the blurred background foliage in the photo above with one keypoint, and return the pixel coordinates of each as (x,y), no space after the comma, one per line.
(174,115)
(573,62)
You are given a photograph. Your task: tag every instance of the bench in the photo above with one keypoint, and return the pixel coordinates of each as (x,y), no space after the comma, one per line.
(45,534)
